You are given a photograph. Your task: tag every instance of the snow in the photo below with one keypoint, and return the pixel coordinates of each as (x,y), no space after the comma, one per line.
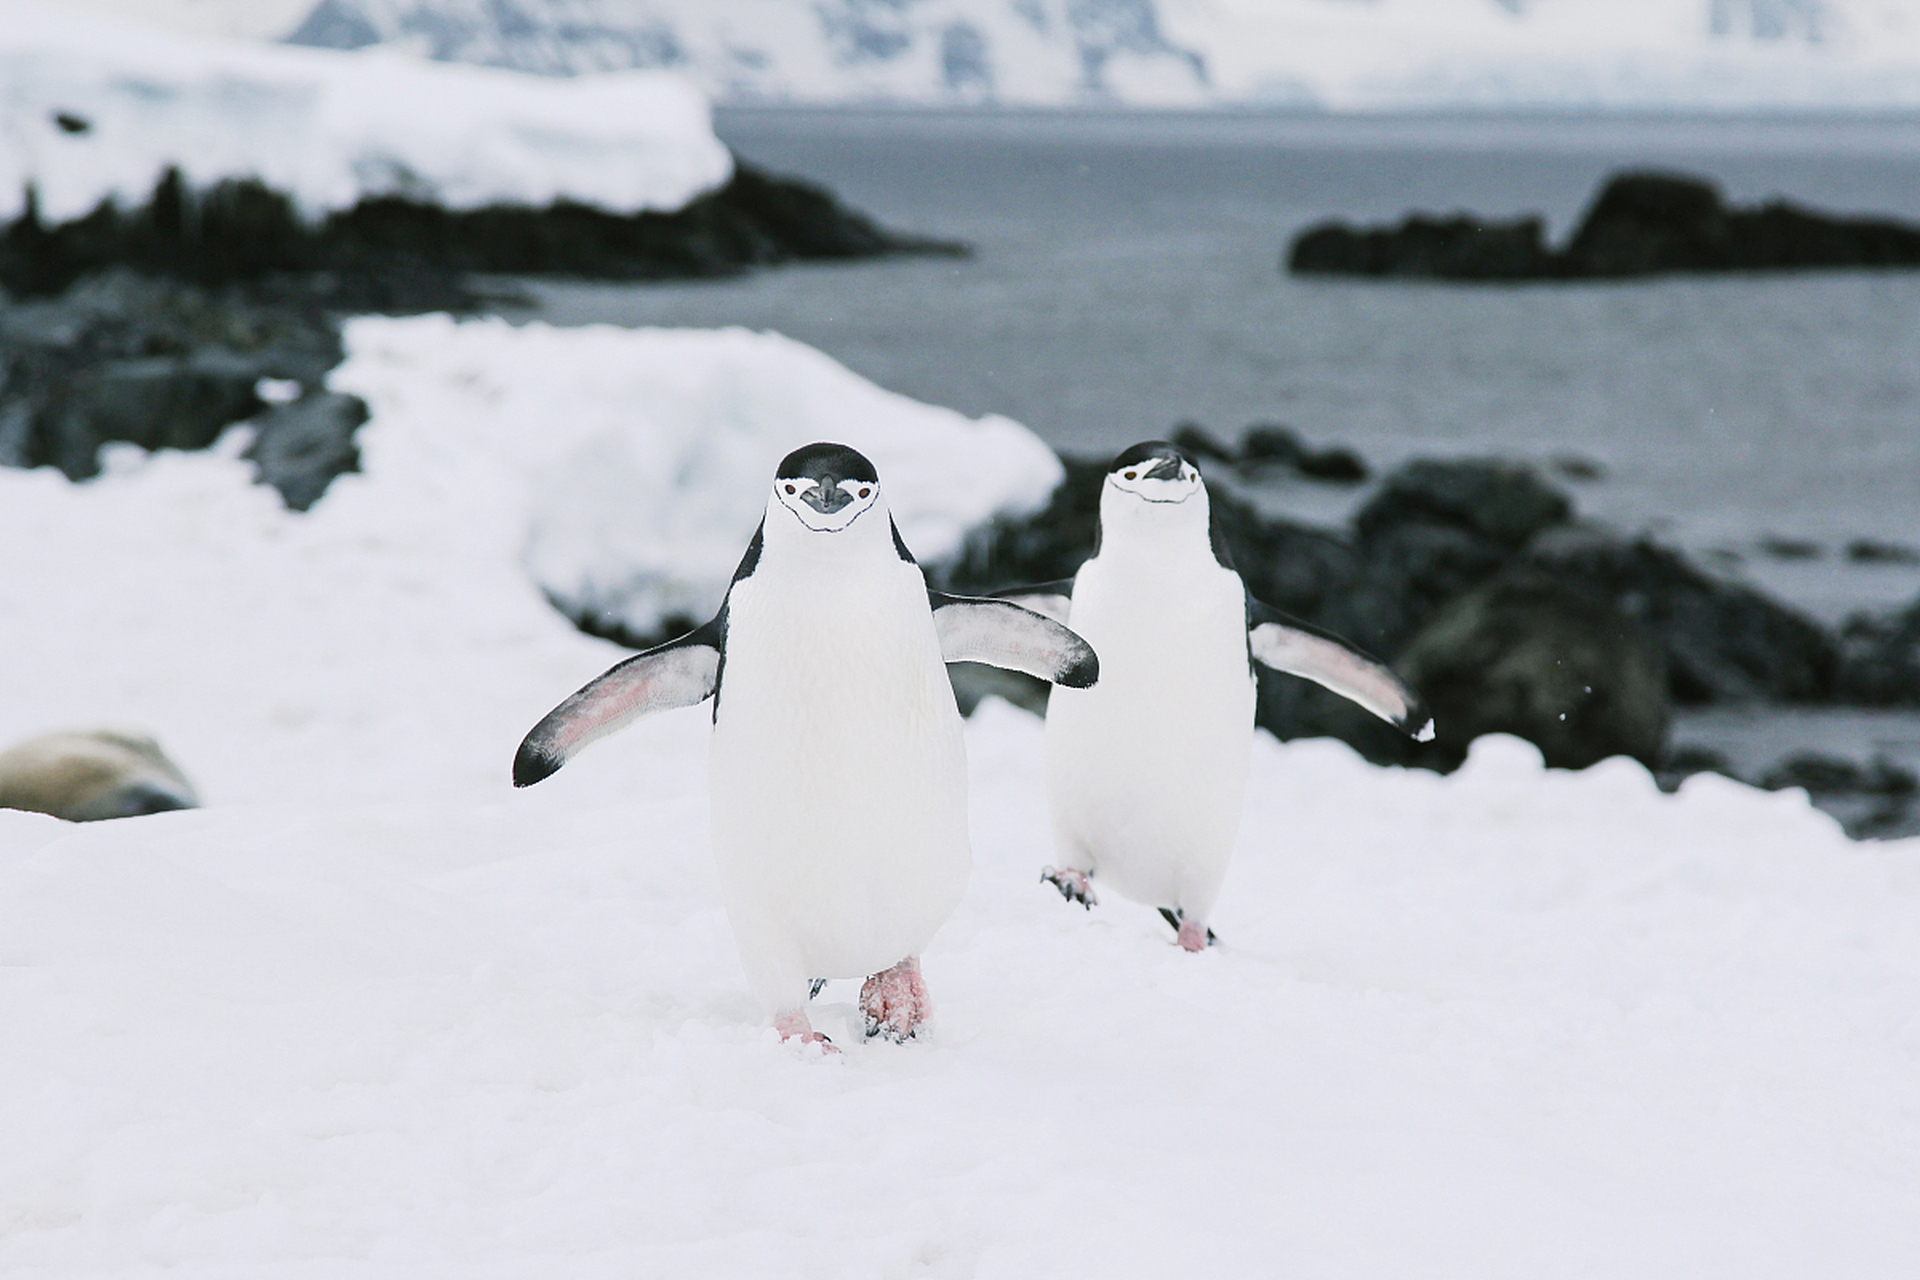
(1329,54)
(373,1013)
(646,454)
(329,128)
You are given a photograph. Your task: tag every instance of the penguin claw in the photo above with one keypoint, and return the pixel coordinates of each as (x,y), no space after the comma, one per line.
(794,1026)
(1073,885)
(895,1001)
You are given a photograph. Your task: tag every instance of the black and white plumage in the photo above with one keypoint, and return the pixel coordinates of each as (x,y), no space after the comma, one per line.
(838,771)
(1146,774)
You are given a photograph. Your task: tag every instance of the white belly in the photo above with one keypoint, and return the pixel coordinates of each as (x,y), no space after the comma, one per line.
(1147,770)
(838,779)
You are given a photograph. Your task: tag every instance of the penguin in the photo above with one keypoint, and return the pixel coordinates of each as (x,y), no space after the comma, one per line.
(1146,773)
(838,778)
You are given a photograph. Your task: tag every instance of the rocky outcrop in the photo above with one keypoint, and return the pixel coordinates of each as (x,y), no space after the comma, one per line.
(167,364)
(389,253)
(1530,655)
(1723,642)
(1641,224)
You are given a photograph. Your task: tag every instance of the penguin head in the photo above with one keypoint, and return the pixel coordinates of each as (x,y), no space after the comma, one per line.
(827,488)
(1156,489)
(1156,472)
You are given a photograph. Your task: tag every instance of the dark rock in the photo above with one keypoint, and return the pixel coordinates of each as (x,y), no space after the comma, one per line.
(300,447)
(1425,563)
(1527,654)
(161,364)
(1640,224)
(1270,444)
(1873,551)
(390,253)
(1644,223)
(1437,529)
(1651,223)
(1791,548)
(1722,641)
(1335,465)
(1879,661)
(156,402)
(1576,468)
(1458,248)
(1200,444)
(1504,503)
(1824,774)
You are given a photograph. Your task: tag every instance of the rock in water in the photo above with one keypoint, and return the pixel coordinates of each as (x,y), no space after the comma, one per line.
(1641,224)
(91,775)
(1525,654)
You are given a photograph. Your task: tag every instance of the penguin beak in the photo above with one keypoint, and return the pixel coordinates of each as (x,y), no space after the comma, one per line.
(1165,469)
(827,496)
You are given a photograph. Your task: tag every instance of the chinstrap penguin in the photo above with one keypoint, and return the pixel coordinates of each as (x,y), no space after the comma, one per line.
(839,778)
(1146,773)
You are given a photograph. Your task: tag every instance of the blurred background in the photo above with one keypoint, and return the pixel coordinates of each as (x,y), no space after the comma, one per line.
(1081,217)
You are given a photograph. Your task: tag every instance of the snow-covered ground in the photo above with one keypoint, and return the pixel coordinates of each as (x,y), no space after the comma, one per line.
(92,108)
(1336,54)
(372,1012)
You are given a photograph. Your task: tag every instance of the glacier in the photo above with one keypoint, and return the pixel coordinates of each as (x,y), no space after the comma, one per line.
(1311,54)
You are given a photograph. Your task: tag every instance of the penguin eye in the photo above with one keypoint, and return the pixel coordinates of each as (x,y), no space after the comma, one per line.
(789,488)
(865,492)
(1132,475)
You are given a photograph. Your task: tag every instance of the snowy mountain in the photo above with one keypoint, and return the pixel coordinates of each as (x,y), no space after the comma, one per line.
(1328,53)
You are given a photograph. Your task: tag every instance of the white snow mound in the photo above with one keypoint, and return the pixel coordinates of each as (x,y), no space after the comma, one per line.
(327,127)
(646,455)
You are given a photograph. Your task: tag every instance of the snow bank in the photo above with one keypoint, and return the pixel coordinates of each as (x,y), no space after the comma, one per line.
(645,455)
(329,128)
(372,1013)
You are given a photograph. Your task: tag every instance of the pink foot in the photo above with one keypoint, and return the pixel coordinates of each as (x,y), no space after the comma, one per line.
(1194,937)
(895,1001)
(793,1025)
(1073,885)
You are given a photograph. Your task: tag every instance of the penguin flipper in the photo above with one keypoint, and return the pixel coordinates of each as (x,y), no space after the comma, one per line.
(1003,634)
(1053,599)
(1302,649)
(678,673)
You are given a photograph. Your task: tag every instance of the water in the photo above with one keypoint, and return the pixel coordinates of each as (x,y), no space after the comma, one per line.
(1128,278)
